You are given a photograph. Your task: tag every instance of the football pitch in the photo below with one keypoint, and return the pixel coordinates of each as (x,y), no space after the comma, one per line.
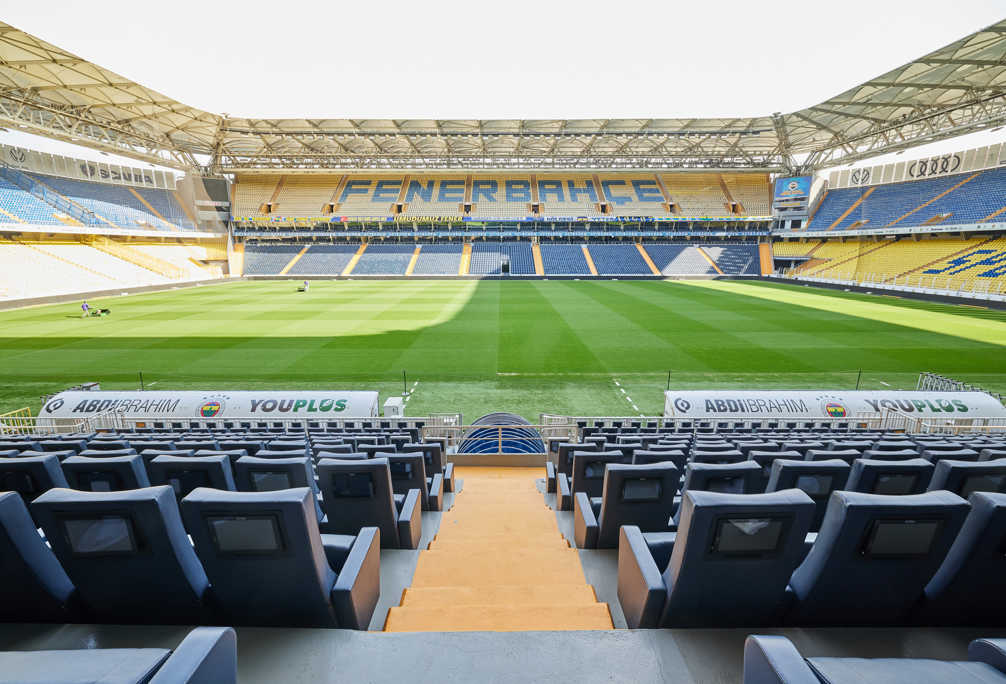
(569,347)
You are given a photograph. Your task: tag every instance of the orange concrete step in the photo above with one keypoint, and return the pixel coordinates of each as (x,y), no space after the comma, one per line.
(493,545)
(500,595)
(440,568)
(497,618)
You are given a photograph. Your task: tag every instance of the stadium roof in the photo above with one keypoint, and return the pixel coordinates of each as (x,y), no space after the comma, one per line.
(955,90)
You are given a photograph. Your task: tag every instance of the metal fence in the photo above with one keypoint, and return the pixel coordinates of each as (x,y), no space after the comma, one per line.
(935,382)
(21,422)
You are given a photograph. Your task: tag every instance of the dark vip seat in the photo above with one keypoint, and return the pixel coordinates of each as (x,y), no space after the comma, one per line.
(893,445)
(847,455)
(149,455)
(775,660)
(640,495)
(717,456)
(108,445)
(33,585)
(965,477)
(253,474)
(816,479)
(295,445)
(321,451)
(565,455)
(359,493)
(873,557)
(30,476)
(197,444)
(726,478)
(937,455)
(765,460)
(106,453)
(433,456)
(273,453)
(270,566)
(991,454)
(408,471)
(162,444)
(676,456)
(185,474)
(802,446)
(232,454)
(19,445)
(251,446)
(105,474)
(891,454)
(729,567)
(587,475)
(889,477)
(127,553)
(207,655)
(372,450)
(60,445)
(748,446)
(970,586)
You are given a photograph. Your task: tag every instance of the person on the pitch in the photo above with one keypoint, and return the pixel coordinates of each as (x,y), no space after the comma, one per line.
(306,285)
(84,308)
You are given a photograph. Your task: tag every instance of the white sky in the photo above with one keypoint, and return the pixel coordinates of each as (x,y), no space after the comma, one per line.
(519,59)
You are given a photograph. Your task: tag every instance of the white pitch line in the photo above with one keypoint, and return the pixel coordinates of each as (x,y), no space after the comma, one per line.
(884,383)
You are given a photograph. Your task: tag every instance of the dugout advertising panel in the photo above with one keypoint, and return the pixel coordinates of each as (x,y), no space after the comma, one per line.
(811,405)
(195,405)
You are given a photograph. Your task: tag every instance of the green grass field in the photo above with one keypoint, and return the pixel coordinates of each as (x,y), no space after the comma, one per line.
(475,347)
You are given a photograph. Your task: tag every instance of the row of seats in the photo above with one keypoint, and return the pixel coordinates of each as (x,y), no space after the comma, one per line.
(215,557)
(487,259)
(743,560)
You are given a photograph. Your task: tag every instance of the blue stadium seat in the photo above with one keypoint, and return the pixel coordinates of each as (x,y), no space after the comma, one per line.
(33,585)
(730,564)
(270,565)
(910,476)
(127,553)
(775,660)
(970,586)
(207,655)
(873,557)
(640,495)
(185,474)
(358,494)
(113,474)
(30,476)
(817,479)
(964,477)
(253,474)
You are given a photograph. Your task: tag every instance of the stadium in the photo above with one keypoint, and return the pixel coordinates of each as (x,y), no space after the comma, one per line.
(595,399)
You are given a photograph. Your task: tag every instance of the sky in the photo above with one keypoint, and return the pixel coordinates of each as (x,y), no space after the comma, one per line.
(519,59)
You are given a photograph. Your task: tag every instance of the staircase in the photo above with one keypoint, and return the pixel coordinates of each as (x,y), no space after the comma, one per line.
(500,564)
(136,257)
(42,192)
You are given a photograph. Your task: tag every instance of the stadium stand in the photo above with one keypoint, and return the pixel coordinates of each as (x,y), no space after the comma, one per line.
(438,259)
(564,260)
(618,260)
(958,198)
(269,259)
(386,259)
(322,259)
(487,258)
(20,206)
(111,204)
(734,259)
(680,260)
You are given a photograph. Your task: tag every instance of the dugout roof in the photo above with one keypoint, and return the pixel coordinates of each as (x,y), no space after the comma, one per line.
(958,89)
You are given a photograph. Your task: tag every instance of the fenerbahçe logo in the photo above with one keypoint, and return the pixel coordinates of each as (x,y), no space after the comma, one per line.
(210,409)
(834,409)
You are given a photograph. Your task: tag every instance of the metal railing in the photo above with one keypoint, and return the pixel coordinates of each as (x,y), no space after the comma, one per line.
(866,420)
(21,422)
(42,192)
(934,382)
(498,435)
(895,419)
(912,283)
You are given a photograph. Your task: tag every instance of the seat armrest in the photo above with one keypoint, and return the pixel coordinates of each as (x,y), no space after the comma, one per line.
(808,544)
(585,527)
(436,497)
(208,655)
(549,477)
(989,651)
(358,587)
(661,546)
(563,499)
(337,548)
(449,478)
(775,660)
(641,590)
(410,521)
